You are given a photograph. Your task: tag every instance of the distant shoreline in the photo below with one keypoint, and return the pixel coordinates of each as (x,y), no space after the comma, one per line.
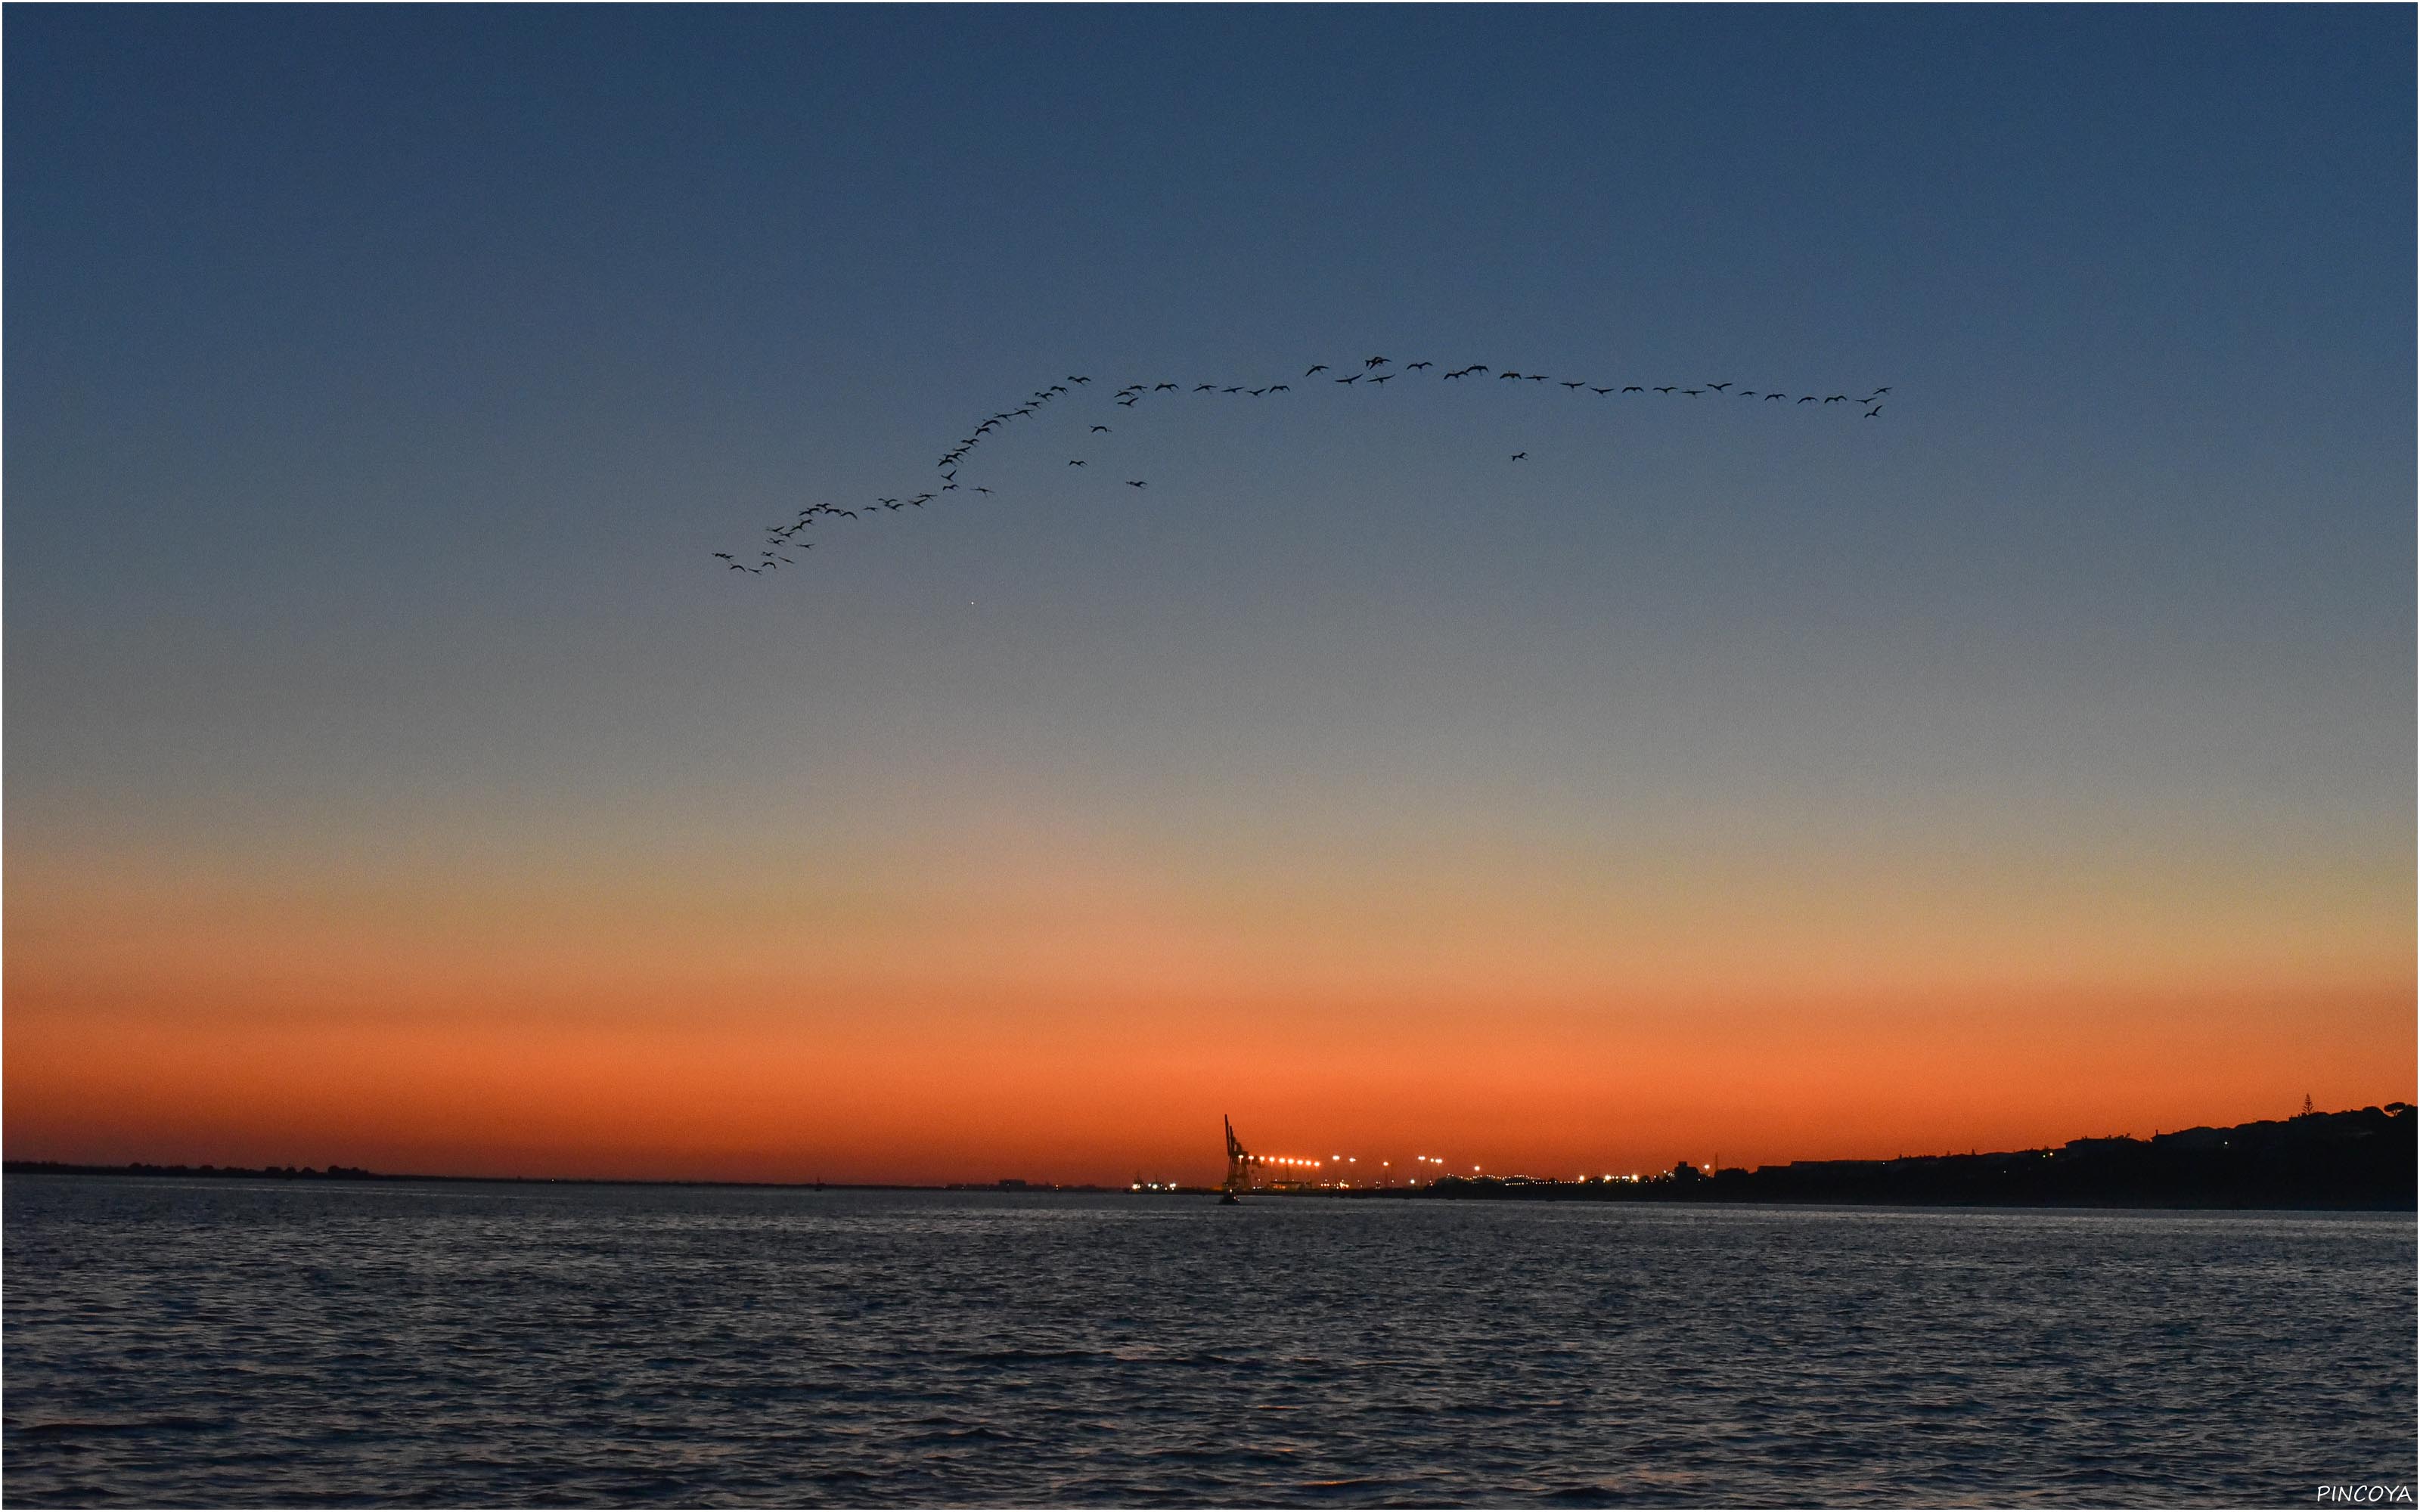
(2361,1160)
(1483,1190)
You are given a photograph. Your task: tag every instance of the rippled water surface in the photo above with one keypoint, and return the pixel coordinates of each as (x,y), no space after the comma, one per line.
(199,1342)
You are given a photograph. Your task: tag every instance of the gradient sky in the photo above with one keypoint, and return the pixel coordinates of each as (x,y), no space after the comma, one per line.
(393,778)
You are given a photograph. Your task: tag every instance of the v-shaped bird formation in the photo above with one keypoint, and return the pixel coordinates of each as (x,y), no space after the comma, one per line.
(1372,374)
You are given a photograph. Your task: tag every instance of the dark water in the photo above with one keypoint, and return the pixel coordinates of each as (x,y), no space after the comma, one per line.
(189,1342)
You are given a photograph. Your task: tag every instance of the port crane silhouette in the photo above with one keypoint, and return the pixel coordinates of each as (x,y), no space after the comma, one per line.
(1240,1164)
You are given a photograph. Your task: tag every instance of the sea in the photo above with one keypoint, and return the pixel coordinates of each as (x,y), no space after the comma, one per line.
(236,1343)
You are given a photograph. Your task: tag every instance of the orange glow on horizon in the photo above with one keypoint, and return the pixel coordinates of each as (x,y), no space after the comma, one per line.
(1088,1022)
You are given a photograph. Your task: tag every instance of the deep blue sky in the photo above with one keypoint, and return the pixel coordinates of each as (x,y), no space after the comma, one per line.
(380,379)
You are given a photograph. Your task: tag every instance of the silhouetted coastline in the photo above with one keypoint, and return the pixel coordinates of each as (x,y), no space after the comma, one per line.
(2365,1158)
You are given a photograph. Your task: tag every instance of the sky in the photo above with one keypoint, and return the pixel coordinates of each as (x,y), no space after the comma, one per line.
(394,778)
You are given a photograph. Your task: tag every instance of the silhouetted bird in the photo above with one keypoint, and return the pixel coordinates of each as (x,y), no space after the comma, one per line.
(1581,384)
(1520,456)
(1875,410)
(1417,366)
(1315,367)
(1373,362)
(1134,483)
(1355,378)
(1100,427)
(1720,386)
(1667,388)
(1634,389)
(1075,462)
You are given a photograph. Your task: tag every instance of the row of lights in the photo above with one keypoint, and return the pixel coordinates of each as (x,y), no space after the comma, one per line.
(1425,1160)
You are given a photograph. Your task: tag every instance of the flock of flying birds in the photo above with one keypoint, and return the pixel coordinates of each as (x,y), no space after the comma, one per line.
(784,538)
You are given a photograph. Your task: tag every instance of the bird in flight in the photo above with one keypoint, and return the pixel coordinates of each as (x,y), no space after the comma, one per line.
(1875,410)
(1074,461)
(1382,379)
(1315,367)
(1373,362)
(1634,389)
(1581,384)
(1355,378)
(1100,427)
(1520,456)
(1720,386)
(1667,388)
(1417,366)
(1134,483)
